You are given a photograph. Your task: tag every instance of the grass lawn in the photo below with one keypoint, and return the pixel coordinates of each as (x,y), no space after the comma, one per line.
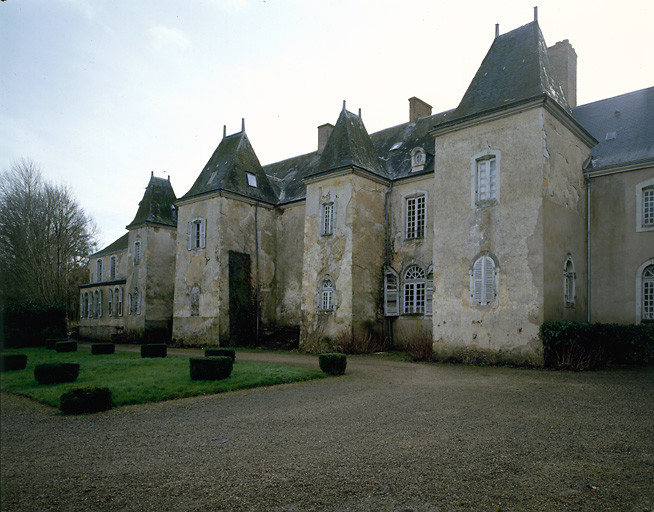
(133,380)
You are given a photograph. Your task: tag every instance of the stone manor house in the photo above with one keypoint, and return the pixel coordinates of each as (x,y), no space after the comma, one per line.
(470,226)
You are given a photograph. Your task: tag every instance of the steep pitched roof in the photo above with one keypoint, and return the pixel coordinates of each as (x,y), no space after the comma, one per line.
(349,145)
(118,245)
(157,205)
(624,127)
(226,170)
(516,68)
(286,176)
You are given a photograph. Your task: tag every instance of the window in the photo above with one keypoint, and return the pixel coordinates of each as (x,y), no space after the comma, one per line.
(429,291)
(98,300)
(328,218)
(129,303)
(569,277)
(195,301)
(99,270)
(485,178)
(647,294)
(137,299)
(415,217)
(112,268)
(391,293)
(110,302)
(89,305)
(645,206)
(118,292)
(414,290)
(197,234)
(137,253)
(326,295)
(81,305)
(483,282)
(252,179)
(418,158)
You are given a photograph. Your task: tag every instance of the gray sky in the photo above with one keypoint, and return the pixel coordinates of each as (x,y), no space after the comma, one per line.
(100,93)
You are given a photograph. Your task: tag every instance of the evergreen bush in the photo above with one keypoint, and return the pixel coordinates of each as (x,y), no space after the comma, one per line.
(28,324)
(103,348)
(220,351)
(66,346)
(334,364)
(9,362)
(210,367)
(50,342)
(85,399)
(154,350)
(54,373)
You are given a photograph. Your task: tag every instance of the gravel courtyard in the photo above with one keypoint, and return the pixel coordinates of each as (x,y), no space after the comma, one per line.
(386,436)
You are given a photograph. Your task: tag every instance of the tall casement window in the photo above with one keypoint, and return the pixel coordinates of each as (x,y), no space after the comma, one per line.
(414,290)
(137,253)
(110,303)
(99,270)
(195,301)
(112,268)
(196,234)
(326,294)
(391,292)
(86,308)
(81,305)
(98,301)
(327,218)
(129,304)
(415,216)
(483,282)
(429,291)
(485,178)
(569,278)
(118,292)
(645,206)
(647,294)
(89,303)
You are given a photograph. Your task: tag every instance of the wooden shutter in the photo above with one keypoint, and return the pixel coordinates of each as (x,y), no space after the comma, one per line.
(429,292)
(477,281)
(391,293)
(492,180)
(489,281)
(203,233)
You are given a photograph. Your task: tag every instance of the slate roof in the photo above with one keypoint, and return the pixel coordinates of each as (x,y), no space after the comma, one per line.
(157,205)
(516,68)
(226,171)
(624,127)
(118,245)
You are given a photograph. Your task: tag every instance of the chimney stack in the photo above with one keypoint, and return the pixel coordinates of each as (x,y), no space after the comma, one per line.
(418,109)
(564,61)
(324,131)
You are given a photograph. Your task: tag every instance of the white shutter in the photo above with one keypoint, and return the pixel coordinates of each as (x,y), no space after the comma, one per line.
(492,180)
(391,297)
(429,293)
(100,304)
(189,235)
(477,281)
(489,281)
(203,233)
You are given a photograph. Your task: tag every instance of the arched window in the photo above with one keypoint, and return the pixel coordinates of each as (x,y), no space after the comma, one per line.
(647,294)
(99,270)
(569,277)
(195,301)
(326,294)
(129,303)
(414,290)
(110,303)
(98,301)
(112,268)
(483,282)
(118,292)
(89,305)
(81,305)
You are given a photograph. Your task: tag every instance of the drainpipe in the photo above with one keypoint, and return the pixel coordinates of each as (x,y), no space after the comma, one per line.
(387,206)
(588,233)
(256,259)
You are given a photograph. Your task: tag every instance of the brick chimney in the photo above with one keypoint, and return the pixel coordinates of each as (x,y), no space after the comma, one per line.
(324,131)
(418,109)
(564,60)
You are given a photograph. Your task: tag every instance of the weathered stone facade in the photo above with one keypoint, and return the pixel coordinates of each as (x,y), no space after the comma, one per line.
(469,227)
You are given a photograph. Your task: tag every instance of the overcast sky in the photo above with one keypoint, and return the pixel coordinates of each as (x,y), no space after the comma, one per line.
(100,93)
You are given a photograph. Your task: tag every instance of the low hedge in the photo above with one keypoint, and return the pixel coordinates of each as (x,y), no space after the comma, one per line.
(220,351)
(50,343)
(54,373)
(85,399)
(154,350)
(9,362)
(334,364)
(103,348)
(66,346)
(583,346)
(210,367)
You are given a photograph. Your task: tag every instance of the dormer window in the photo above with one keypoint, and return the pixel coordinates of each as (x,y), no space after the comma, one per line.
(252,179)
(418,158)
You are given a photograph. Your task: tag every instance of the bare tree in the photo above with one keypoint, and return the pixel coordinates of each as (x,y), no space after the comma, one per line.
(45,238)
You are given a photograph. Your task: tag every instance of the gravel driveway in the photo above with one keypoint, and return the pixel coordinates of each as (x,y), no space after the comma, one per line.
(386,436)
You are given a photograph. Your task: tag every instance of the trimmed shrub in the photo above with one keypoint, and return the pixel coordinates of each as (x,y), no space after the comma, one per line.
(66,346)
(85,399)
(9,362)
(210,367)
(334,364)
(50,343)
(54,373)
(220,351)
(103,348)
(28,324)
(154,350)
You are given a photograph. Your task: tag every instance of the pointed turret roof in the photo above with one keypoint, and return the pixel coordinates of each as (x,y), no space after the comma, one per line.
(157,205)
(227,170)
(515,69)
(349,146)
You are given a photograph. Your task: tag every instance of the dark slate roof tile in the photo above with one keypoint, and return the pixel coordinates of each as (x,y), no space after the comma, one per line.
(118,245)
(157,205)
